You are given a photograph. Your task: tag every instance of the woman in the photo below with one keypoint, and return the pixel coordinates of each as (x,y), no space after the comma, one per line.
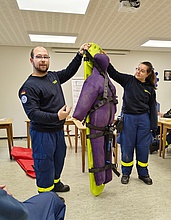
(139,117)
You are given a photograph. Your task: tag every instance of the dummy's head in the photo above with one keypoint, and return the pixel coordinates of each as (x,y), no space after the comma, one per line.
(103,60)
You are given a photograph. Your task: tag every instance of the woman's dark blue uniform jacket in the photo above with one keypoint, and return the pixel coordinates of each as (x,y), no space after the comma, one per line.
(138,97)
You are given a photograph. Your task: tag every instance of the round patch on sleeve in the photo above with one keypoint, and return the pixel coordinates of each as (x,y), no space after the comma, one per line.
(24,99)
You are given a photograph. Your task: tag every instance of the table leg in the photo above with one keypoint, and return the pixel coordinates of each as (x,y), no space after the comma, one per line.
(10,140)
(11,133)
(76,138)
(28,135)
(69,138)
(83,144)
(161,140)
(164,140)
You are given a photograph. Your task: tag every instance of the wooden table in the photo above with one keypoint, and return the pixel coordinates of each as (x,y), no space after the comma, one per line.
(165,126)
(6,123)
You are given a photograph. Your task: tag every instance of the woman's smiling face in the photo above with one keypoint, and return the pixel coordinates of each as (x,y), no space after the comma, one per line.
(141,72)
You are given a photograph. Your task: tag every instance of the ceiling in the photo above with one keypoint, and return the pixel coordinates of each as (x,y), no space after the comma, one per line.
(102,24)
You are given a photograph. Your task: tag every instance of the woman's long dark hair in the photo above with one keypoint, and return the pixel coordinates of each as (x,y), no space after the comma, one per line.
(151,78)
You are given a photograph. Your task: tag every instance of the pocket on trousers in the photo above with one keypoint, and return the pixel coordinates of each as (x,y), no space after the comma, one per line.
(41,162)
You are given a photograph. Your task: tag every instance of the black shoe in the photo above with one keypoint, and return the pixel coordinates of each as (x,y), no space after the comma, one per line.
(153,149)
(61,188)
(125,179)
(154,146)
(146,179)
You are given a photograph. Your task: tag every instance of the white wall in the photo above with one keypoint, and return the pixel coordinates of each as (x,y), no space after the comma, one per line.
(16,67)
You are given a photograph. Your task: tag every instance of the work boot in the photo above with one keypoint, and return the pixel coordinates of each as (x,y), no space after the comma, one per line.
(146,179)
(125,179)
(61,188)
(154,146)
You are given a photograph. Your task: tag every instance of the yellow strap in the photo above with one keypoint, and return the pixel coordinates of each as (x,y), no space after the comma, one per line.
(142,164)
(45,189)
(127,164)
(56,181)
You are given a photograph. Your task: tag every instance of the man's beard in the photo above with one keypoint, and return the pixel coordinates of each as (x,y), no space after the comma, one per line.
(40,70)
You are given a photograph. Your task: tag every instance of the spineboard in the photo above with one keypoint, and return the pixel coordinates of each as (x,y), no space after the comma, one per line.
(88,67)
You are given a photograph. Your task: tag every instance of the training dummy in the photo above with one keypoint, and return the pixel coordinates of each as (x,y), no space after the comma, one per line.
(97,104)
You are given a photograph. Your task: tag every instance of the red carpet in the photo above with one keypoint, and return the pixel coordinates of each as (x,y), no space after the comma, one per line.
(23,157)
